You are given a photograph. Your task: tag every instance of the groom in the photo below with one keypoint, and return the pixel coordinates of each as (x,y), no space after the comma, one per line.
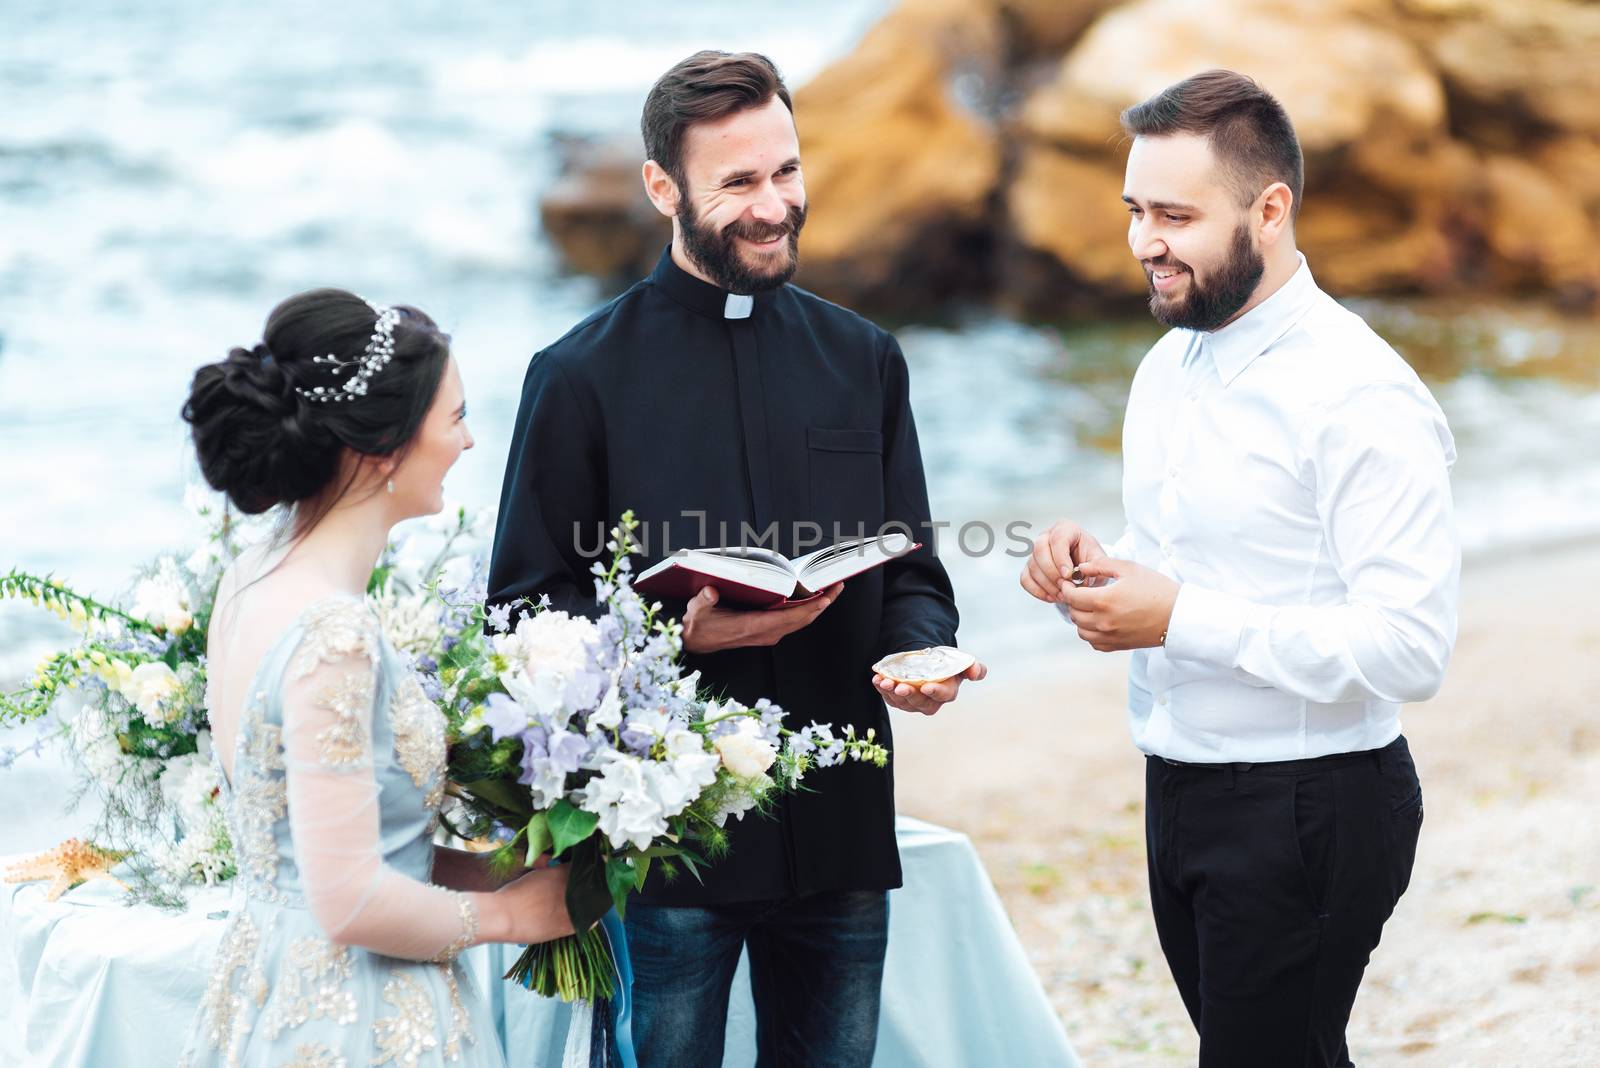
(1287,580)
(720,403)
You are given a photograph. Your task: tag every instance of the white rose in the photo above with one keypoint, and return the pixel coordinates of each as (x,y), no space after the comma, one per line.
(745,755)
(161,599)
(149,687)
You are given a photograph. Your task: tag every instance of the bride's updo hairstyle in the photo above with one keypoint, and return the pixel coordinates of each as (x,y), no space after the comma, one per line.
(272,423)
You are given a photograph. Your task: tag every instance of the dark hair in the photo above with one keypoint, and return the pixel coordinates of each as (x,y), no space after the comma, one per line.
(1249,131)
(708,85)
(263,444)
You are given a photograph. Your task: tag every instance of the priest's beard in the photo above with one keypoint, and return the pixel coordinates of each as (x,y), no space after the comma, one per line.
(1208,306)
(717,253)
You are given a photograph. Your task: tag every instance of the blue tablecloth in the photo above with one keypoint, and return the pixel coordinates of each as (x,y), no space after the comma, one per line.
(87,982)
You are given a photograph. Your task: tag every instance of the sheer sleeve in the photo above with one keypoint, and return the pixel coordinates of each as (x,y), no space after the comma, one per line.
(329,698)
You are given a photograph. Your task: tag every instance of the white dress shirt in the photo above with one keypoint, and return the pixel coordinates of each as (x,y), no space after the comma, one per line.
(1291,472)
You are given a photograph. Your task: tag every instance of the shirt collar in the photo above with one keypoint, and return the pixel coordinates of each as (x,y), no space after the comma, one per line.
(701,296)
(1235,346)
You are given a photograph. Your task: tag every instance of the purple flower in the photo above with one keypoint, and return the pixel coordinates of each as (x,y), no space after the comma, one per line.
(567,750)
(503,716)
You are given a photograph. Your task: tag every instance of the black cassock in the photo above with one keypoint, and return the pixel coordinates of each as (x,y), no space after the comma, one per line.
(790,426)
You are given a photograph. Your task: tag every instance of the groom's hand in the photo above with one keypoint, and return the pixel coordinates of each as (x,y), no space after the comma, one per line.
(1131,612)
(708,628)
(926,699)
(1056,553)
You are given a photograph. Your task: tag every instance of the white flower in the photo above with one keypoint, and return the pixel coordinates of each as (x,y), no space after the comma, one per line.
(413,624)
(682,742)
(189,786)
(152,688)
(609,713)
(203,559)
(745,753)
(161,599)
(543,695)
(547,784)
(651,721)
(737,802)
(678,782)
(621,796)
(549,642)
(199,858)
(685,687)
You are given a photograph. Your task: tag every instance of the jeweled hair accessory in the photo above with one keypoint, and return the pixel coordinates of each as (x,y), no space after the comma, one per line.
(378,353)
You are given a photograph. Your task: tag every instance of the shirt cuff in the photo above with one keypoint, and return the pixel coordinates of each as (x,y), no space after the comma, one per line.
(1206,626)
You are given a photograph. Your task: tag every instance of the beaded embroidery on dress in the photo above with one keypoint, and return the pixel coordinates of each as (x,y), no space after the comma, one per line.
(282,992)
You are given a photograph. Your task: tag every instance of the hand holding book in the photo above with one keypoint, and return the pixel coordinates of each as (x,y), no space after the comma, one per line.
(708,627)
(757,577)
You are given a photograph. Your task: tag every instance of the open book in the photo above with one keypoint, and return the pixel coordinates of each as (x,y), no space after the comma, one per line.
(753,577)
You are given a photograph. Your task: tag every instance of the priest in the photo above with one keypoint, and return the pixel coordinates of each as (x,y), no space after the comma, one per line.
(725,406)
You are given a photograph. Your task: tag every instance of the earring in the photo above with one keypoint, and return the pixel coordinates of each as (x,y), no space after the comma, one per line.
(391,485)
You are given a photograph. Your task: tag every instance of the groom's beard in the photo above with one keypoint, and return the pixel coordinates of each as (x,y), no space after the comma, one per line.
(716,252)
(1227,290)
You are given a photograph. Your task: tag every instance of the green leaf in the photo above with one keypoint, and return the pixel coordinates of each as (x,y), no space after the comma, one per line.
(539,840)
(641,869)
(503,794)
(588,894)
(620,879)
(692,861)
(570,825)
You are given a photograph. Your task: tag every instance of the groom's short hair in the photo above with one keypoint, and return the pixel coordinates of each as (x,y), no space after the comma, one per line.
(1249,132)
(706,86)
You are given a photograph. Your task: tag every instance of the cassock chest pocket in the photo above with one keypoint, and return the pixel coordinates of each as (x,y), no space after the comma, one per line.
(846,480)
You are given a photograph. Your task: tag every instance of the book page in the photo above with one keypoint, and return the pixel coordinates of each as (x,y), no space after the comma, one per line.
(819,570)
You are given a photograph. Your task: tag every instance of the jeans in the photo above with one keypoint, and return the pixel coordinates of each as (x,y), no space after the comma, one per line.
(816,974)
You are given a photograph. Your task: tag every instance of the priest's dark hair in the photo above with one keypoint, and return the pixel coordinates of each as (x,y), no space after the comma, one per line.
(264,444)
(1250,133)
(706,86)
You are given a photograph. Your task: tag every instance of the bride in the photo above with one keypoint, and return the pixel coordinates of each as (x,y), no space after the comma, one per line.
(341,946)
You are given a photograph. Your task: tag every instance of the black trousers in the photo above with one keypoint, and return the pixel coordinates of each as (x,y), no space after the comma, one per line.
(1271,884)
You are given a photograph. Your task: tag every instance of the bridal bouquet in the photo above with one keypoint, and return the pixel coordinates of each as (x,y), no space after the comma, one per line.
(583,739)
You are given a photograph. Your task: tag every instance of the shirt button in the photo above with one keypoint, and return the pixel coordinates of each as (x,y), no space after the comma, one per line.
(1192,395)
(1172,472)
(1162,700)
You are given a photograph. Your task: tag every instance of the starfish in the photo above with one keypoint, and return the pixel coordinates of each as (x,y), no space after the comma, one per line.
(69,864)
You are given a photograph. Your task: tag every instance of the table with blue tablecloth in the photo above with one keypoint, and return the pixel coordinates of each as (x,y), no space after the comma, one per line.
(88,982)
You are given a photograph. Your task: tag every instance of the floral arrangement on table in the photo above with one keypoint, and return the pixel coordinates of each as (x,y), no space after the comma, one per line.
(139,737)
(128,699)
(582,739)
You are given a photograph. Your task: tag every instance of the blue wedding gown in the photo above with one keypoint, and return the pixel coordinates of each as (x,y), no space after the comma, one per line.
(338,774)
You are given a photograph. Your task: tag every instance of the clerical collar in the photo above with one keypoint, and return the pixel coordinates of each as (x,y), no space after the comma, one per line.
(700,296)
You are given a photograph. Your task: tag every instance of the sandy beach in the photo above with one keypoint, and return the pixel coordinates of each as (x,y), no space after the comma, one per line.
(1493,956)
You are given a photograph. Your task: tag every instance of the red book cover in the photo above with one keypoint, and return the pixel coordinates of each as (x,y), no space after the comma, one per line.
(682,584)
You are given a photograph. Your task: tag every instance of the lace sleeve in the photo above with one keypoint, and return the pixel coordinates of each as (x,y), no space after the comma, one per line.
(329,696)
